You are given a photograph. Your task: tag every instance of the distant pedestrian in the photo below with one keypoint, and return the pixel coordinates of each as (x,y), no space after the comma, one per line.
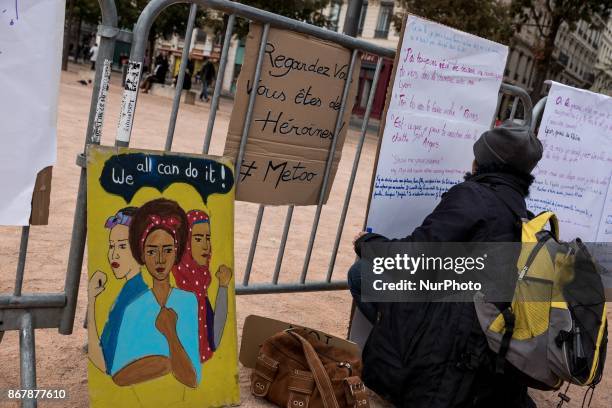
(93,56)
(186,80)
(207,74)
(159,73)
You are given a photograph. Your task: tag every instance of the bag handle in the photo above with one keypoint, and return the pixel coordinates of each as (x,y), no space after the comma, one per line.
(318,371)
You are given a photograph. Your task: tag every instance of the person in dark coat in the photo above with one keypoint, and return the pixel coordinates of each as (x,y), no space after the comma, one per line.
(207,74)
(435,354)
(158,76)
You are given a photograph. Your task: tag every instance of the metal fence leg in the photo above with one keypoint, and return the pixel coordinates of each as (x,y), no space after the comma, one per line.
(23,252)
(28,359)
(75,257)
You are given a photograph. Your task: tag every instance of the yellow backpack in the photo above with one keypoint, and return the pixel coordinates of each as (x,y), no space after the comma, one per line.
(555,329)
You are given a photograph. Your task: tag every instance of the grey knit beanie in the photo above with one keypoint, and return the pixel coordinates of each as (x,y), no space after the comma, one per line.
(510,144)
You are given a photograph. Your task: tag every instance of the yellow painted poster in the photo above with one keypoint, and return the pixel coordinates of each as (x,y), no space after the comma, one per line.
(162,313)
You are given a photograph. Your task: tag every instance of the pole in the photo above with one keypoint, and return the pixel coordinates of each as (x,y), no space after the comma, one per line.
(351,21)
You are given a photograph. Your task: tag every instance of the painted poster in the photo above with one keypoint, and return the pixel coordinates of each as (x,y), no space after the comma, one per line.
(298,99)
(31,33)
(162,315)
(573,177)
(442,97)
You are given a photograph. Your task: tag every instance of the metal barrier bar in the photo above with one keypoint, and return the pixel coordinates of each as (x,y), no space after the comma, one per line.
(193,10)
(245,132)
(349,190)
(538,112)
(27,359)
(79,226)
(268,288)
(214,105)
(514,107)
(154,7)
(283,243)
(328,165)
(39,300)
(249,113)
(249,265)
(23,252)
(524,97)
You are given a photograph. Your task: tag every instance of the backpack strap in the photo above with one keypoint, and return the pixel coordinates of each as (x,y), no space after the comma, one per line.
(321,377)
(509,322)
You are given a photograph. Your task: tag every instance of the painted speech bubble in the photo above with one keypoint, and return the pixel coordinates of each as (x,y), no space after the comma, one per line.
(125,174)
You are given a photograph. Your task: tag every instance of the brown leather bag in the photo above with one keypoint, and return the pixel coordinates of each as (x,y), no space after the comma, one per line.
(295,370)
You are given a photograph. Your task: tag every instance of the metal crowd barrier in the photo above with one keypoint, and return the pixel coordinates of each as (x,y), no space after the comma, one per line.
(268,19)
(27,312)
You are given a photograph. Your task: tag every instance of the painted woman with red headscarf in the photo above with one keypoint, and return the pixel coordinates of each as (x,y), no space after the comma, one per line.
(193,274)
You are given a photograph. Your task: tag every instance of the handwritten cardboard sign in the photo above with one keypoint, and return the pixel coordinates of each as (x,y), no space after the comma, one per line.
(298,101)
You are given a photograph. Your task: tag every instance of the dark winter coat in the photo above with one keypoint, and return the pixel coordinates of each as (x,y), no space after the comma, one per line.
(434,354)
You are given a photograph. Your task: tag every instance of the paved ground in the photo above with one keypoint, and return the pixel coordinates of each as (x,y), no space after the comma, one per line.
(61,360)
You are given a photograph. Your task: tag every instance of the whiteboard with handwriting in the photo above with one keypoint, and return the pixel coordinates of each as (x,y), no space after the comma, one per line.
(444,96)
(31,33)
(573,177)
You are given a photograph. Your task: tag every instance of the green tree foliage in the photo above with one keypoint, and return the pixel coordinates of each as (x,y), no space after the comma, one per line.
(309,11)
(548,16)
(490,19)
(77,13)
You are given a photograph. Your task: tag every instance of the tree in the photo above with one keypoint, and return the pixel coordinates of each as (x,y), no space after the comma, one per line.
(77,11)
(309,11)
(491,19)
(548,16)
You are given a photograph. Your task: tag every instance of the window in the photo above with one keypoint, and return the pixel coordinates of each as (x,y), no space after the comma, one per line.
(384,20)
(334,14)
(362,16)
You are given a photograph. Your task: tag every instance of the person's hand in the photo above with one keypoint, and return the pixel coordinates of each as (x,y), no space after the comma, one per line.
(359,235)
(96,284)
(224,274)
(166,321)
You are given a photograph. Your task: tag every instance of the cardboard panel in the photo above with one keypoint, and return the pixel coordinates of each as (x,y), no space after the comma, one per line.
(294,117)
(162,314)
(258,328)
(41,197)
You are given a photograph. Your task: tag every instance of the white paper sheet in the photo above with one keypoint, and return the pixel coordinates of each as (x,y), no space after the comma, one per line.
(573,177)
(31,33)
(444,96)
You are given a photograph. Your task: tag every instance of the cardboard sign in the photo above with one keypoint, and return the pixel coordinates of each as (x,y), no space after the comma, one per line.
(162,314)
(574,176)
(298,101)
(257,329)
(442,97)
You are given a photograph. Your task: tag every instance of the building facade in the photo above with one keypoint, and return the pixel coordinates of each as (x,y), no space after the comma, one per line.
(603,67)
(582,57)
(574,62)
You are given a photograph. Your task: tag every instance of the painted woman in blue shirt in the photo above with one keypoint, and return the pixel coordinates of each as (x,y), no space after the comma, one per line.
(124,266)
(159,330)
